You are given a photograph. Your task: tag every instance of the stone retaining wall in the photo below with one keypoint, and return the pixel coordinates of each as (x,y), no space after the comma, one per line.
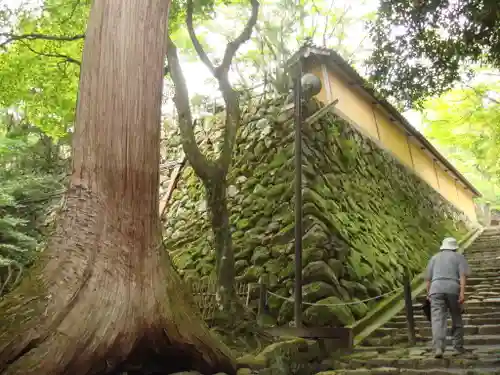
(366,216)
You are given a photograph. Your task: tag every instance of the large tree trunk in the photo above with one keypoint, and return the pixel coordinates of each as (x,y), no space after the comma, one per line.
(104,295)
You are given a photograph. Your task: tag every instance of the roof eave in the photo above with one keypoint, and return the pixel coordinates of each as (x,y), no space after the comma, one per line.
(328,57)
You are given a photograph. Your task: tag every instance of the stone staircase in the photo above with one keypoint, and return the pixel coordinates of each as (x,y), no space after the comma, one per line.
(387,351)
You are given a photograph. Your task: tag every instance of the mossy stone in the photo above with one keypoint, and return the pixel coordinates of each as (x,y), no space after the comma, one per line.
(243,224)
(286,311)
(355,289)
(240,265)
(312,255)
(359,309)
(260,256)
(274,303)
(317,290)
(328,312)
(319,271)
(251,274)
(336,266)
(289,350)
(273,266)
(245,253)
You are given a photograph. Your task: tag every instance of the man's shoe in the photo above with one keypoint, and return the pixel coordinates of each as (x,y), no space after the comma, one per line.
(459,351)
(438,354)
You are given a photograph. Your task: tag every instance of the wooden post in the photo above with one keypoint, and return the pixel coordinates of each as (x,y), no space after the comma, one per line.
(249,291)
(262,299)
(409,309)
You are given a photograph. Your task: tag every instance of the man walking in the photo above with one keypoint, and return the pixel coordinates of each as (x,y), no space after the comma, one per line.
(446,277)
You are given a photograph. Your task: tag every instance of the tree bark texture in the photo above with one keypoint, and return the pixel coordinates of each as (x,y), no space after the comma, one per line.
(216,196)
(104,294)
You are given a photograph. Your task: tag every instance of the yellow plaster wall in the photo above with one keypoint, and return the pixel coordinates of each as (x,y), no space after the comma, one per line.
(424,166)
(466,199)
(447,186)
(318,72)
(350,102)
(377,125)
(393,138)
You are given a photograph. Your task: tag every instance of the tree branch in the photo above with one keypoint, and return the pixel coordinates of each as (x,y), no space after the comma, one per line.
(201,165)
(13,37)
(56,55)
(483,94)
(194,39)
(233,46)
(220,72)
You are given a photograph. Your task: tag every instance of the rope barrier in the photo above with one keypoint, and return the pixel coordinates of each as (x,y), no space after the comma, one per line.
(338,304)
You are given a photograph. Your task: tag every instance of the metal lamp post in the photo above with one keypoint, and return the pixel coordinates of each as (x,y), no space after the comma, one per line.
(298,193)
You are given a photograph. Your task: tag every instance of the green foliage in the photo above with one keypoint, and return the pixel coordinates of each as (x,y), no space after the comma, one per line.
(39,76)
(283,26)
(465,123)
(31,181)
(40,57)
(421,46)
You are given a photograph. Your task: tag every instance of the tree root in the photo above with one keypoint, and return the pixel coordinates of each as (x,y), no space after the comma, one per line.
(97,302)
(239,329)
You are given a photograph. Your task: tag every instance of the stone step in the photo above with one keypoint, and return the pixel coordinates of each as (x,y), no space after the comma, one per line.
(479,254)
(479,288)
(490,242)
(481,251)
(495,349)
(484,264)
(419,317)
(482,248)
(471,292)
(490,303)
(479,321)
(478,259)
(489,237)
(426,331)
(483,261)
(399,339)
(419,359)
(480,295)
(481,270)
(471,309)
(392,370)
(493,280)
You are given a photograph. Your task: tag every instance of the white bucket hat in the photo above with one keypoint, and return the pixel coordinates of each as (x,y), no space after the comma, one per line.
(449,243)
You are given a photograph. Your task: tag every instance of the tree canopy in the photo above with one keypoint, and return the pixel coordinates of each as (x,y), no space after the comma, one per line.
(465,124)
(423,47)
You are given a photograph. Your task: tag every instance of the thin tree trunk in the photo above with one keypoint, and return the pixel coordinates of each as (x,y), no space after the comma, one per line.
(213,174)
(219,217)
(105,295)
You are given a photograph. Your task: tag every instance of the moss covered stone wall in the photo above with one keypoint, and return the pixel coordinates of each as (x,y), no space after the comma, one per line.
(366,216)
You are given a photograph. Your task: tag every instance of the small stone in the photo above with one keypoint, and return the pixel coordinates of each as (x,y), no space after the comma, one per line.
(241,179)
(232,191)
